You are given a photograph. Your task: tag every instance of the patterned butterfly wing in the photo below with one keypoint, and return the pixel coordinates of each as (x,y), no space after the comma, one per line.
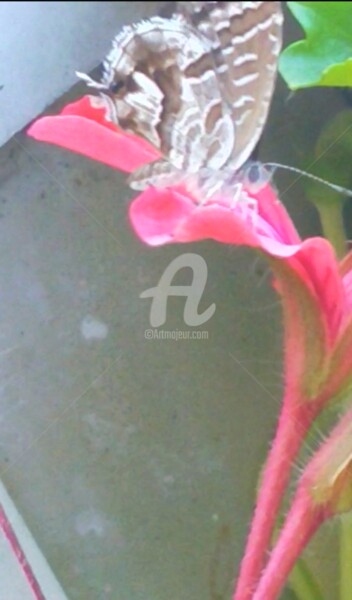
(153,91)
(246,40)
(197,86)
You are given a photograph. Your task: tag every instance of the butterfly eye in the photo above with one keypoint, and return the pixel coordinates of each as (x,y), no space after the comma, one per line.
(256,176)
(254,173)
(116,86)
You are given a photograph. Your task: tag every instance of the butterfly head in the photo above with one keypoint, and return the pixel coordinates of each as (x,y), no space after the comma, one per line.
(255,176)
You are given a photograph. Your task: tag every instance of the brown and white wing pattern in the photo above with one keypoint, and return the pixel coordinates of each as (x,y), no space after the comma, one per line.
(246,40)
(161,84)
(196,86)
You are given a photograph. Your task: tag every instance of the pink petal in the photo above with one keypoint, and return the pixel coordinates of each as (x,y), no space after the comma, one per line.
(317,264)
(346,272)
(347,282)
(156,213)
(83,128)
(161,216)
(273,212)
(88,106)
(170,215)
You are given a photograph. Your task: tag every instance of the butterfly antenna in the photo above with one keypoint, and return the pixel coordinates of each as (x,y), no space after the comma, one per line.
(91,82)
(333,186)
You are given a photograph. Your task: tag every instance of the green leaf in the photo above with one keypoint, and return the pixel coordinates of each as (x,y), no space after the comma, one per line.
(338,75)
(324,58)
(345,556)
(288,594)
(332,161)
(332,158)
(303,582)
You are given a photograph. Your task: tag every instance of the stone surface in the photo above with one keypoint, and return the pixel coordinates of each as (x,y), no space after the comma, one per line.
(43,44)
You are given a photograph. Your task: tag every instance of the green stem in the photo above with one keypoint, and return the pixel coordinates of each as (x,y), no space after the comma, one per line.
(303,582)
(345,557)
(332,224)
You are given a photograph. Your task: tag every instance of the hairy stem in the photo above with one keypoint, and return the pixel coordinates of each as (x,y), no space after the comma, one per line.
(294,422)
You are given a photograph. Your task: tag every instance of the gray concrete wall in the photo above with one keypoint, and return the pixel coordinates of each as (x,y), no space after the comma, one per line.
(42,44)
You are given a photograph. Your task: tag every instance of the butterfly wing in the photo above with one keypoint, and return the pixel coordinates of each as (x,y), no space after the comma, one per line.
(246,40)
(161,84)
(196,86)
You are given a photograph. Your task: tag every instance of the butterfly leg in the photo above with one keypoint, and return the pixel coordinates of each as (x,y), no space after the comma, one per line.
(159,174)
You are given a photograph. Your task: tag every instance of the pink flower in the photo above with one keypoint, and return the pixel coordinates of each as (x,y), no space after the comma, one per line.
(83,128)
(316,291)
(171,215)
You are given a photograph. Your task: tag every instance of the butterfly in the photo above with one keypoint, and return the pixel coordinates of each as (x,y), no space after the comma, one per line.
(197,86)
